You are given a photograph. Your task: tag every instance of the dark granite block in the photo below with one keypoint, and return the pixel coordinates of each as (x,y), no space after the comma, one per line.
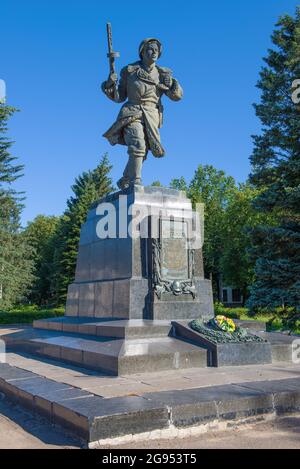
(140,363)
(185,407)
(121,296)
(9,390)
(43,401)
(72,355)
(286,402)
(87,299)
(282,352)
(104,299)
(96,361)
(107,418)
(24,390)
(244,404)
(273,386)
(286,393)
(248,353)
(202,404)
(64,414)
(139,301)
(72,305)
(41,324)
(89,329)
(49,350)
(54,324)
(10,373)
(83,267)
(70,327)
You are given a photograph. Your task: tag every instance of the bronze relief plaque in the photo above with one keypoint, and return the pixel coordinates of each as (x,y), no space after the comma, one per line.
(174,250)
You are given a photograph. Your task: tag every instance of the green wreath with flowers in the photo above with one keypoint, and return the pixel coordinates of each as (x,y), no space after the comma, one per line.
(223,330)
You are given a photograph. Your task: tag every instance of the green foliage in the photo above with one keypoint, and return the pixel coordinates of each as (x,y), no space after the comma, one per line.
(40,234)
(214,189)
(26,314)
(276,319)
(9,171)
(88,188)
(15,253)
(156,184)
(233,313)
(276,172)
(237,266)
(227,214)
(285,319)
(179,184)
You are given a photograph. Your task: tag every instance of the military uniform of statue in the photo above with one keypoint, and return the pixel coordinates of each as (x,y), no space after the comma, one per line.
(142,83)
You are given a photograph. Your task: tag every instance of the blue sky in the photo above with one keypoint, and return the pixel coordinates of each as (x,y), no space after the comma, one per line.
(53,60)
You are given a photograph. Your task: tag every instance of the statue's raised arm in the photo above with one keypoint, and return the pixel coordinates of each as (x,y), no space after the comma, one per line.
(142,84)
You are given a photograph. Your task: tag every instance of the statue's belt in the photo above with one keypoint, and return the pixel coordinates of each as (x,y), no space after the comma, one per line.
(144,104)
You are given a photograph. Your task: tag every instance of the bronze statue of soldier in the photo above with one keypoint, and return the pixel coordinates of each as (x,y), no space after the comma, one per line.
(142,85)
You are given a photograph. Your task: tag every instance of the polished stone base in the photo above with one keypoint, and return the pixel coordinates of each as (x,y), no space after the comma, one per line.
(133,299)
(227,354)
(115,275)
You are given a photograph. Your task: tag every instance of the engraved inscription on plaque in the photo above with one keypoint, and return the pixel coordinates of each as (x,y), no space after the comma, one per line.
(173,261)
(174,250)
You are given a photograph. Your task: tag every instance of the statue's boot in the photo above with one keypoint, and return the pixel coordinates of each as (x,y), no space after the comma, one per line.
(136,174)
(133,171)
(123,183)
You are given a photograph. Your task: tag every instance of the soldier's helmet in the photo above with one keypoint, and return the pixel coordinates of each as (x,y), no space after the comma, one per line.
(147,41)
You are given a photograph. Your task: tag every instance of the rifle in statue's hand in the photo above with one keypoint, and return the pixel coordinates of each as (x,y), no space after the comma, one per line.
(113,78)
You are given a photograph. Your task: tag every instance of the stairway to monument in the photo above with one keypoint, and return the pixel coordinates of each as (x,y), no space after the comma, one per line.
(111,346)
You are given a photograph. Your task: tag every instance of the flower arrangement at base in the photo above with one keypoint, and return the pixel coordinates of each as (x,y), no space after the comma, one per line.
(222,330)
(224,323)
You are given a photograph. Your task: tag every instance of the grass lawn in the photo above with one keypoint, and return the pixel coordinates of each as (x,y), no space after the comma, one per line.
(273,322)
(27,314)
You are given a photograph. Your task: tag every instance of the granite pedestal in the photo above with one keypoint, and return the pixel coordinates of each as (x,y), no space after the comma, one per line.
(139,271)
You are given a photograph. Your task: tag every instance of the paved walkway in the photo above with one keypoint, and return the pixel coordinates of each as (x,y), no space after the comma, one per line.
(111,386)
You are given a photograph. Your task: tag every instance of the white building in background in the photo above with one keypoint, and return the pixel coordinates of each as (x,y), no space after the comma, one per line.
(232,296)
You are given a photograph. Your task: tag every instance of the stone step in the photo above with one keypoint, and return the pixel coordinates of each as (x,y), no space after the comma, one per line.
(117,328)
(88,416)
(98,421)
(113,356)
(281,344)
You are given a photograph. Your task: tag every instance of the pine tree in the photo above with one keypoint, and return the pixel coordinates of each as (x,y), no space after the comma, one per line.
(40,233)
(88,187)
(276,173)
(15,263)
